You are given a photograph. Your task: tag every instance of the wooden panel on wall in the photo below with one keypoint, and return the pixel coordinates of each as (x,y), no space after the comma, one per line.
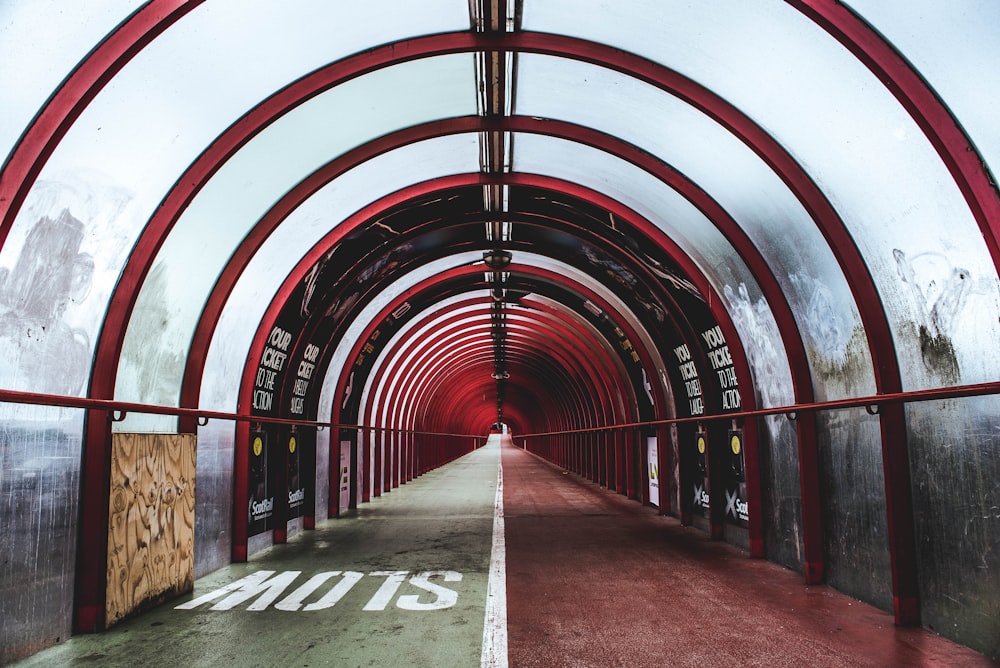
(150,521)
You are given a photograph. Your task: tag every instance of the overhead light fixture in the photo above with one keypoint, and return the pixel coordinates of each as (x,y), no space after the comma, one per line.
(497,259)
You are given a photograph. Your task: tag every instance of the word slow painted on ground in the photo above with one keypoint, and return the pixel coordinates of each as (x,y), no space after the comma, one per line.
(266,591)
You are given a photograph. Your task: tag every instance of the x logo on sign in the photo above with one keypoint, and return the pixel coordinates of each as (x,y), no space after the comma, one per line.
(731,502)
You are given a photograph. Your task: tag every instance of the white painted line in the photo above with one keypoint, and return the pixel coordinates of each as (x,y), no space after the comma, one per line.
(495,626)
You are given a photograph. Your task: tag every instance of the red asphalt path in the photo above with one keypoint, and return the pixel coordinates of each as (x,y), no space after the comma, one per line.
(595,579)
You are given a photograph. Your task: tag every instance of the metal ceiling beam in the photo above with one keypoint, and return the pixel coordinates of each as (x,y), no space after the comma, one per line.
(445,335)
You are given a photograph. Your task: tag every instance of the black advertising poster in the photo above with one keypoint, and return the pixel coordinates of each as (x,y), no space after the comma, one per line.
(721,361)
(736,484)
(692,385)
(260,508)
(303,376)
(299,453)
(293,477)
(273,362)
(344,489)
(700,504)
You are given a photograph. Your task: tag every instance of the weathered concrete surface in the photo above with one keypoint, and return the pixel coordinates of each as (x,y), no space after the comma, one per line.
(442,521)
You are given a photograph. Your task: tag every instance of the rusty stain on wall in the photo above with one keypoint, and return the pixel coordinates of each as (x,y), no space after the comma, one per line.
(938,289)
(150,521)
(849,373)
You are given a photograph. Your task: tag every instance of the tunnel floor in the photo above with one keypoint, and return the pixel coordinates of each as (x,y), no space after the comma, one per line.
(593,579)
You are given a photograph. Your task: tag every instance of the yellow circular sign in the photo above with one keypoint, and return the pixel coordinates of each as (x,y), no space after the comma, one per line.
(291,444)
(701,445)
(258,446)
(735,444)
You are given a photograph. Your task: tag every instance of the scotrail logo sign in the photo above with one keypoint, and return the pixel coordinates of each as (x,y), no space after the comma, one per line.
(700,496)
(736,507)
(261,509)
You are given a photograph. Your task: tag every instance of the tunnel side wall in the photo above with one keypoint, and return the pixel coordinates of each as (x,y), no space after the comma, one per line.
(39,491)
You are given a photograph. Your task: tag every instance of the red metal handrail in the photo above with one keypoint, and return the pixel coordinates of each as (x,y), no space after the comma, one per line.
(117,411)
(869,403)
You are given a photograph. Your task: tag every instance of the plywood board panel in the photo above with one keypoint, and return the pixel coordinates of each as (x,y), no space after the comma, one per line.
(150,521)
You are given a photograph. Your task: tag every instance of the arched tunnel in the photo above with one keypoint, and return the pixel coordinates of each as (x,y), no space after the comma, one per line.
(734,261)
